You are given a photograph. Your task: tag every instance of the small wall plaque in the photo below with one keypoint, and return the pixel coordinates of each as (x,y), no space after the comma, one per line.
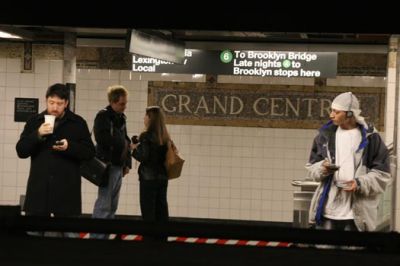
(24,108)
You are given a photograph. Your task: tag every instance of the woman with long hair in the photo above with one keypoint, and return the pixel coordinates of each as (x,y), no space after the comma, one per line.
(151,151)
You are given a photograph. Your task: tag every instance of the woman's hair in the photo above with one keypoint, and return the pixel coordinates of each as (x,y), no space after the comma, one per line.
(157,124)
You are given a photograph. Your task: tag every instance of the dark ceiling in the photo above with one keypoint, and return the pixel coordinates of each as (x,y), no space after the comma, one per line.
(210,21)
(55,34)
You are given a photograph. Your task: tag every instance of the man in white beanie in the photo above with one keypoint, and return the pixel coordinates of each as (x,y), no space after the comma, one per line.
(351,161)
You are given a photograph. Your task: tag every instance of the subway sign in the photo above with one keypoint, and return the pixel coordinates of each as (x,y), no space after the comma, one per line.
(256,105)
(286,64)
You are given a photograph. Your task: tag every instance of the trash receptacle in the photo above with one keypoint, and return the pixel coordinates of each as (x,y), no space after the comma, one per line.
(302,201)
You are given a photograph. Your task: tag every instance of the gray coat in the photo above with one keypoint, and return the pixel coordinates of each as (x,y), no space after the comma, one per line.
(373,173)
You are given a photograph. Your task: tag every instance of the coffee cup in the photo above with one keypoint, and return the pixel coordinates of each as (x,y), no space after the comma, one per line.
(342,184)
(50,119)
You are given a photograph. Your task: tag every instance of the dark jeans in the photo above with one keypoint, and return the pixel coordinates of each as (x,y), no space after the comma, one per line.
(344,225)
(153,204)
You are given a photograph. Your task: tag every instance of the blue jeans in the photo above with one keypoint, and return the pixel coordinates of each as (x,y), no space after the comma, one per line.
(107,198)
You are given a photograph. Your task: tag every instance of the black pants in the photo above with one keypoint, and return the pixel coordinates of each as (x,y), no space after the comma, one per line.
(52,233)
(344,225)
(153,204)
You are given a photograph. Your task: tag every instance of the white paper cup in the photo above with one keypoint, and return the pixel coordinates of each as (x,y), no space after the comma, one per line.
(342,184)
(50,119)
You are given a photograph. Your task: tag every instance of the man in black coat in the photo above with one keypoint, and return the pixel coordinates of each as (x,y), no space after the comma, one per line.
(54,184)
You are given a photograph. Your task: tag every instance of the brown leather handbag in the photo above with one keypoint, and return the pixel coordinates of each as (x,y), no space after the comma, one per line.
(173,161)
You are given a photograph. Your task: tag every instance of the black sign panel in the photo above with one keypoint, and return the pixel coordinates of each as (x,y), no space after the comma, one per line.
(24,108)
(153,46)
(245,63)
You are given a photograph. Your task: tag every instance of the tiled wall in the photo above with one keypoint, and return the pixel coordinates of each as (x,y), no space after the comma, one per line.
(393,87)
(390,123)
(230,172)
(13,83)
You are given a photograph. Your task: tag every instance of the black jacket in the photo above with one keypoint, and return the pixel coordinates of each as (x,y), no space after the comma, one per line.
(151,157)
(112,138)
(54,184)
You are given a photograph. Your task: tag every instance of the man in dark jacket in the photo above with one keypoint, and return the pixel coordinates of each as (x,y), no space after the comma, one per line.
(113,146)
(54,184)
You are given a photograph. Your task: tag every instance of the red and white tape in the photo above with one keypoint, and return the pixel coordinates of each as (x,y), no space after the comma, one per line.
(233,242)
(197,240)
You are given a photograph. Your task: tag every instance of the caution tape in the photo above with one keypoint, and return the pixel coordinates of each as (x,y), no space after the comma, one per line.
(197,240)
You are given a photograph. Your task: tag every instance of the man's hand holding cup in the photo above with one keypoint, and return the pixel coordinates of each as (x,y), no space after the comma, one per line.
(48,126)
